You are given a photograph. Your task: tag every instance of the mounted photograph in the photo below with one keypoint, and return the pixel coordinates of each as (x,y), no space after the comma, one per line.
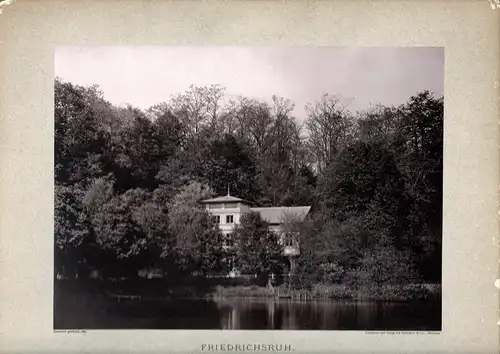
(248,188)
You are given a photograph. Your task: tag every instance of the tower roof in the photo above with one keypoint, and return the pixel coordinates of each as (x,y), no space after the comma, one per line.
(225,199)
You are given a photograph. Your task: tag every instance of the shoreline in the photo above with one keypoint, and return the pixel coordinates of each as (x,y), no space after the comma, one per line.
(162,292)
(333,292)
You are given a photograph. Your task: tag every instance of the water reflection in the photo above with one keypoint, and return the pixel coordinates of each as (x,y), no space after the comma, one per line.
(327,315)
(234,314)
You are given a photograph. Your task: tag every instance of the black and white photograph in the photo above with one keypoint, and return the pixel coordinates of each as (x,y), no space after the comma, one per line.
(248,188)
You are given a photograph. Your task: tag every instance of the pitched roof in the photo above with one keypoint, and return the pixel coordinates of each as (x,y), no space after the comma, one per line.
(275,215)
(225,199)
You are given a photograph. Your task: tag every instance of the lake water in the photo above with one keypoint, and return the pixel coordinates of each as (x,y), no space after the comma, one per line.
(251,314)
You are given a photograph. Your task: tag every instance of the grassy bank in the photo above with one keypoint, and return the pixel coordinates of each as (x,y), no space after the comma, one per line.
(335,291)
(227,288)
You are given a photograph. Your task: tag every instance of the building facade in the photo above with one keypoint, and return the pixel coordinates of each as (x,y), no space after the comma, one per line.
(227,211)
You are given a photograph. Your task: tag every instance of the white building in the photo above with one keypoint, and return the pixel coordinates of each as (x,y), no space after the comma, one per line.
(227,211)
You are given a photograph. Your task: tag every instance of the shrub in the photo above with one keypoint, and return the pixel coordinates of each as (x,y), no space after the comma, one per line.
(381,266)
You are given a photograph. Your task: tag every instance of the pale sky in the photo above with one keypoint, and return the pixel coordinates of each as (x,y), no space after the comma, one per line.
(145,75)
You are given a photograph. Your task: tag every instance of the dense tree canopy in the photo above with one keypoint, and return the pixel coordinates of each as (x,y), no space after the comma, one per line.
(257,248)
(128,183)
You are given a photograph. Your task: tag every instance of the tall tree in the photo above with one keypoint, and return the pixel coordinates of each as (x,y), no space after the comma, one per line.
(330,127)
(72,231)
(419,146)
(365,180)
(120,235)
(280,164)
(225,163)
(257,247)
(198,241)
(80,143)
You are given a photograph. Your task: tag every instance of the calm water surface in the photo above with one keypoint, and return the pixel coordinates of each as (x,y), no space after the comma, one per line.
(249,314)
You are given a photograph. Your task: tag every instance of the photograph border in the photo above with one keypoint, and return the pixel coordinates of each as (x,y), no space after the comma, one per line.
(469,32)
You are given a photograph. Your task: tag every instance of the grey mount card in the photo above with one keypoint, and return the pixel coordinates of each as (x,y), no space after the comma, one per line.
(249,176)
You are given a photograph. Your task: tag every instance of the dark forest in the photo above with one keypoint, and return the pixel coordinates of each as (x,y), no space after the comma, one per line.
(128,183)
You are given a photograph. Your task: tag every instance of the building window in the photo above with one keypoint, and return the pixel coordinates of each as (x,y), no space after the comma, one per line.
(290,240)
(217,219)
(229,242)
(229,219)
